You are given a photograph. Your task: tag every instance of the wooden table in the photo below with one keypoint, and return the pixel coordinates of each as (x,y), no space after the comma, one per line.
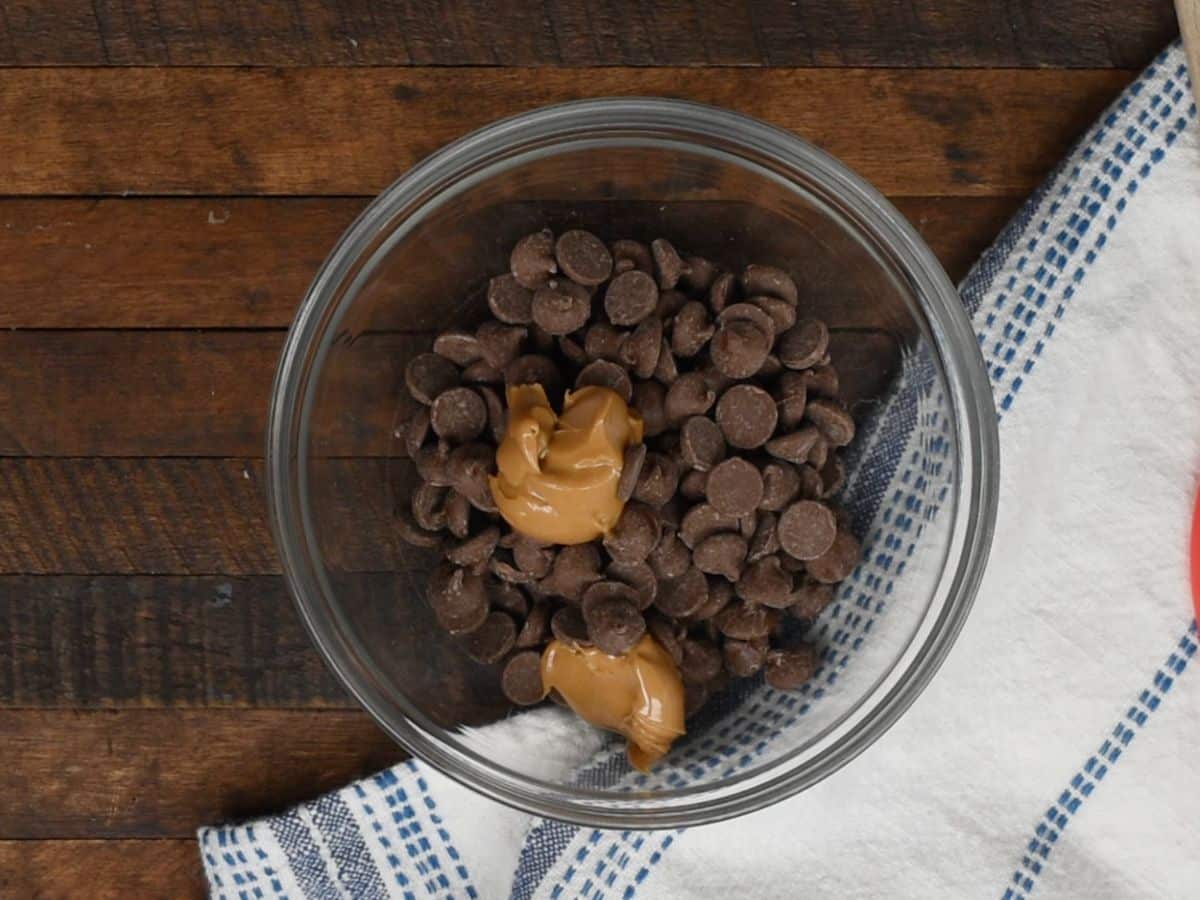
(173,173)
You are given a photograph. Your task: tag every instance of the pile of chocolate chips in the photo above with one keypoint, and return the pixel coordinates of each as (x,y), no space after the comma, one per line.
(729,522)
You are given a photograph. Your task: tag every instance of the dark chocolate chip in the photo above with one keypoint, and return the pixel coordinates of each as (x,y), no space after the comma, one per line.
(635,253)
(476,549)
(639,576)
(533,556)
(631,470)
(614,625)
(721,292)
(431,464)
(701,521)
(507,572)
(694,485)
(491,641)
(522,679)
(809,598)
(468,468)
(789,669)
(748,524)
(781,484)
(765,583)
(688,396)
(743,658)
(746,621)
(794,447)
(572,350)
(668,633)
(671,558)
(428,375)
(429,506)
(694,698)
(682,596)
(634,535)
(507,597)
(607,374)
(650,399)
(818,454)
(568,626)
(575,567)
(721,554)
(458,598)
(771,281)
(699,275)
(496,416)
(482,372)
(657,479)
(765,541)
(602,341)
(416,430)
(500,343)
(804,344)
(458,415)
(691,329)
(835,424)
(414,534)
(582,257)
(748,312)
(641,351)
(838,561)
(670,303)
(666,370)
(561,307)
(460,347)
(534,368)
(771,367)
(747,416)
(542,340)
(668,265)
(630,297)
(603,591)
(720,595)
(536,629)
(509,300)
(701,661)
(833,476)
(701,445)
(792,392)
(782,313)
(735,487)
(532,260)
(823,381)
(739,348)
(811,485)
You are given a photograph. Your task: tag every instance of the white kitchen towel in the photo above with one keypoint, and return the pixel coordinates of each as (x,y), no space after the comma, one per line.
(1057,752)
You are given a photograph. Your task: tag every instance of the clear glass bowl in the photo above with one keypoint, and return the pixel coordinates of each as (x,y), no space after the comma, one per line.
(923,471)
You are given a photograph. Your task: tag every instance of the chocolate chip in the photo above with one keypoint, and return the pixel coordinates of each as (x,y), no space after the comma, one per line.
(475,549)
(533,556)
(458,415)
(688,396)
(748,524)
(833,476)
(718,382)
(614,625)
(771,367)
(771,281)
(735,487)
(720,595)
(668,633)
(701,445)
(721,292)
(536,628)
(602,341)
(639,576)
(765,541)
(429,506)
(794,447)
(496,416)
(699,275)
(630,297)
(522,679)
(509,300)
(694,485)
(607,374)
(746,621)
(603,591)
(835,424)
(691,330)
(634,535)
(782,313)
(641,351)
(542,340)
(650,398)
(747,416)
(657,480)
(838,561)
(500,343)
(561,307)
(532,260)
(743,658)
(428,375)
(811,485)
(458,598)
(790,564)
(534,368)
(810,598)
(460,347)
(792,392)
(748,312)
(739,348)
(631,469)
(468,468)
(414,534)
(701,521)
(818,454)
(764,583)
(683,595)
(789,669)
(507,572)
(701,661)
(721,554)
(804,344)
(491,641)
(416,430)
(431,464)
(634,252)
(670,303)
(575,567)
(823,381)
(572,350)
(671,558)
(583,257)
(568,626)
(781,484)
(665,370)
(668,265)
(507,597)
(482,372)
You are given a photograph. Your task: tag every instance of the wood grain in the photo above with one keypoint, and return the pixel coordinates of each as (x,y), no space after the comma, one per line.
(304,131)
(101,870)
(163,773)
(246,262)
(620,32)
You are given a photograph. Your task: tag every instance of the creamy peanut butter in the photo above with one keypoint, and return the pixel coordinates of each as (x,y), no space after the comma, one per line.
(558,475)
(639,695)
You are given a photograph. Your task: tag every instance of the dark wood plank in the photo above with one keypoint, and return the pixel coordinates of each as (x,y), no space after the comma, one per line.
(162,773)
(595,32)
(101,870)
(303,131)
(246,262)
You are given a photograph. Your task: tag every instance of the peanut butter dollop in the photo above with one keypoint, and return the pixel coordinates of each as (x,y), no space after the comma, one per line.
(639,695)
(558,475)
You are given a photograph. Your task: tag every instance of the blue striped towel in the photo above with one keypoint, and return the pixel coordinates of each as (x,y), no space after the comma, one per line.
(1056,752)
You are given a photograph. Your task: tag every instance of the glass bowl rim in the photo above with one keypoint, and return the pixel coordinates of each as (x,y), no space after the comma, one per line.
(960,364)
